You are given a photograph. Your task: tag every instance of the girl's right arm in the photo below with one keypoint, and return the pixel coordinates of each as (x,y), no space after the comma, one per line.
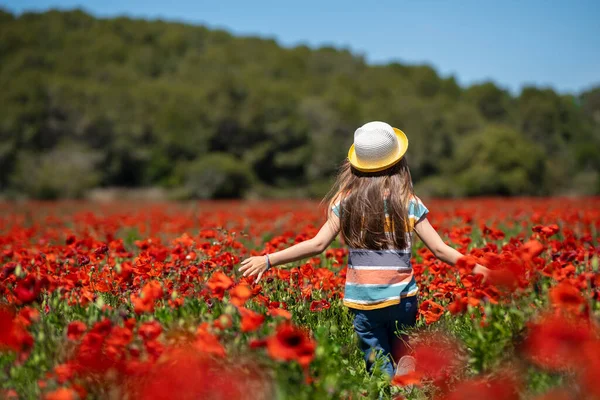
(258,265)
(441,250)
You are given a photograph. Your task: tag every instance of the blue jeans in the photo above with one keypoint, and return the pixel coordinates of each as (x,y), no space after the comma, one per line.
(375,330)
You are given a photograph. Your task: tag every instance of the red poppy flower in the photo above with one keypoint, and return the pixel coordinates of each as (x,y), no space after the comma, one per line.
(319,305)
(546,231)
(145,302)
(240,294)
(154,349)
(153,290)
(9,394)
(492,233)
(306,292)
(185,373)
(280,312)
(557,343)
(431,311)
(64,372)
(589,368)
(502,388)
(219,283)
(142,305)
(530,250)
(6,328)
(307,270)
(251,320)
(28,289)
(13,335)
(150,330)
(466,263)
(75,330)
(62,394)
(291,343)
(459,305)
(80,390)
(412,378)
(83,260)
(567,297)
(101,250)
(91,357)
(257,343)
(28,315)
(437,358)
(208,343)
(102,327)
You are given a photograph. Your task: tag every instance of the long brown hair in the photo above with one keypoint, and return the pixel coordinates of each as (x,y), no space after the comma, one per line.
(361,197)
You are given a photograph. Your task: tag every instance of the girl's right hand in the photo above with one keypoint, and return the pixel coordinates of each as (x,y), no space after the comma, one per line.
(254,266)
(480,269)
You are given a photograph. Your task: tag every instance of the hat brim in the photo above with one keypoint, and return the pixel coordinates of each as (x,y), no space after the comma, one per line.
(403,146)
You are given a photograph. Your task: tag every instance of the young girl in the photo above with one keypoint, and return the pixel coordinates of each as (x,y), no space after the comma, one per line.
(374,207)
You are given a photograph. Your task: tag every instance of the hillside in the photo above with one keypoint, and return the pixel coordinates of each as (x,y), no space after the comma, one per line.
(89,102)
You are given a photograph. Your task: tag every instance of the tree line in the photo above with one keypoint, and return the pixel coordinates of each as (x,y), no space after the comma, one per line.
(88,102)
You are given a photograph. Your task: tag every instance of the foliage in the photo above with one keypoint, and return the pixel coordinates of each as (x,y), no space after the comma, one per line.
(498,161)
(149,96)
(113,301)
(64,171)
(217,176)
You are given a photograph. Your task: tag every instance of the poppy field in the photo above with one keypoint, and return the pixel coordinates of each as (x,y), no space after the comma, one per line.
(144,301)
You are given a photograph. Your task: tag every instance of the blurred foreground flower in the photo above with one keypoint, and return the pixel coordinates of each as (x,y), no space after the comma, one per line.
(438,360)
(557,343)
(13,335)
(560,343)
(188,374)
(497,388)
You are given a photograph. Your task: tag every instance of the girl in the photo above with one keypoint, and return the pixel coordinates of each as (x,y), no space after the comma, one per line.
(374,207)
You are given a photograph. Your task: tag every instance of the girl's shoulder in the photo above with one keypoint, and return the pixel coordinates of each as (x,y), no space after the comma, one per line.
(416,208)
(335,204)
(413,199)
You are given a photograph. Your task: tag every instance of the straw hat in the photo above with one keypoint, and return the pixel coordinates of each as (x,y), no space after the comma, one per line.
(377,146)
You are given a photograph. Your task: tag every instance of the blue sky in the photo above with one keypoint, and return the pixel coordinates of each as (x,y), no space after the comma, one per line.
(552,43)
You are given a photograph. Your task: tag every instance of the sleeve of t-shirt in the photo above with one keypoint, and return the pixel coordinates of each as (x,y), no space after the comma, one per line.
(336,209)
(417,210)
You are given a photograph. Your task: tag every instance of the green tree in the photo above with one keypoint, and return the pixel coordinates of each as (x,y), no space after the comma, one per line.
(152,99)
(217,175)
(66,171)
(498,160)
(491,101)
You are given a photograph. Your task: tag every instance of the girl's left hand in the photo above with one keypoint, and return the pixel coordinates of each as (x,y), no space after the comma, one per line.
(253,266)
(480,269)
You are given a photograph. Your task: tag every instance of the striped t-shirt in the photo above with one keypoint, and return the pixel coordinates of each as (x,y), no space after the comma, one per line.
(380,278)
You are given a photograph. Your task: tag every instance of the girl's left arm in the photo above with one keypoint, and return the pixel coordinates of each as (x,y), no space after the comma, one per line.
(441,250)
(309,248)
